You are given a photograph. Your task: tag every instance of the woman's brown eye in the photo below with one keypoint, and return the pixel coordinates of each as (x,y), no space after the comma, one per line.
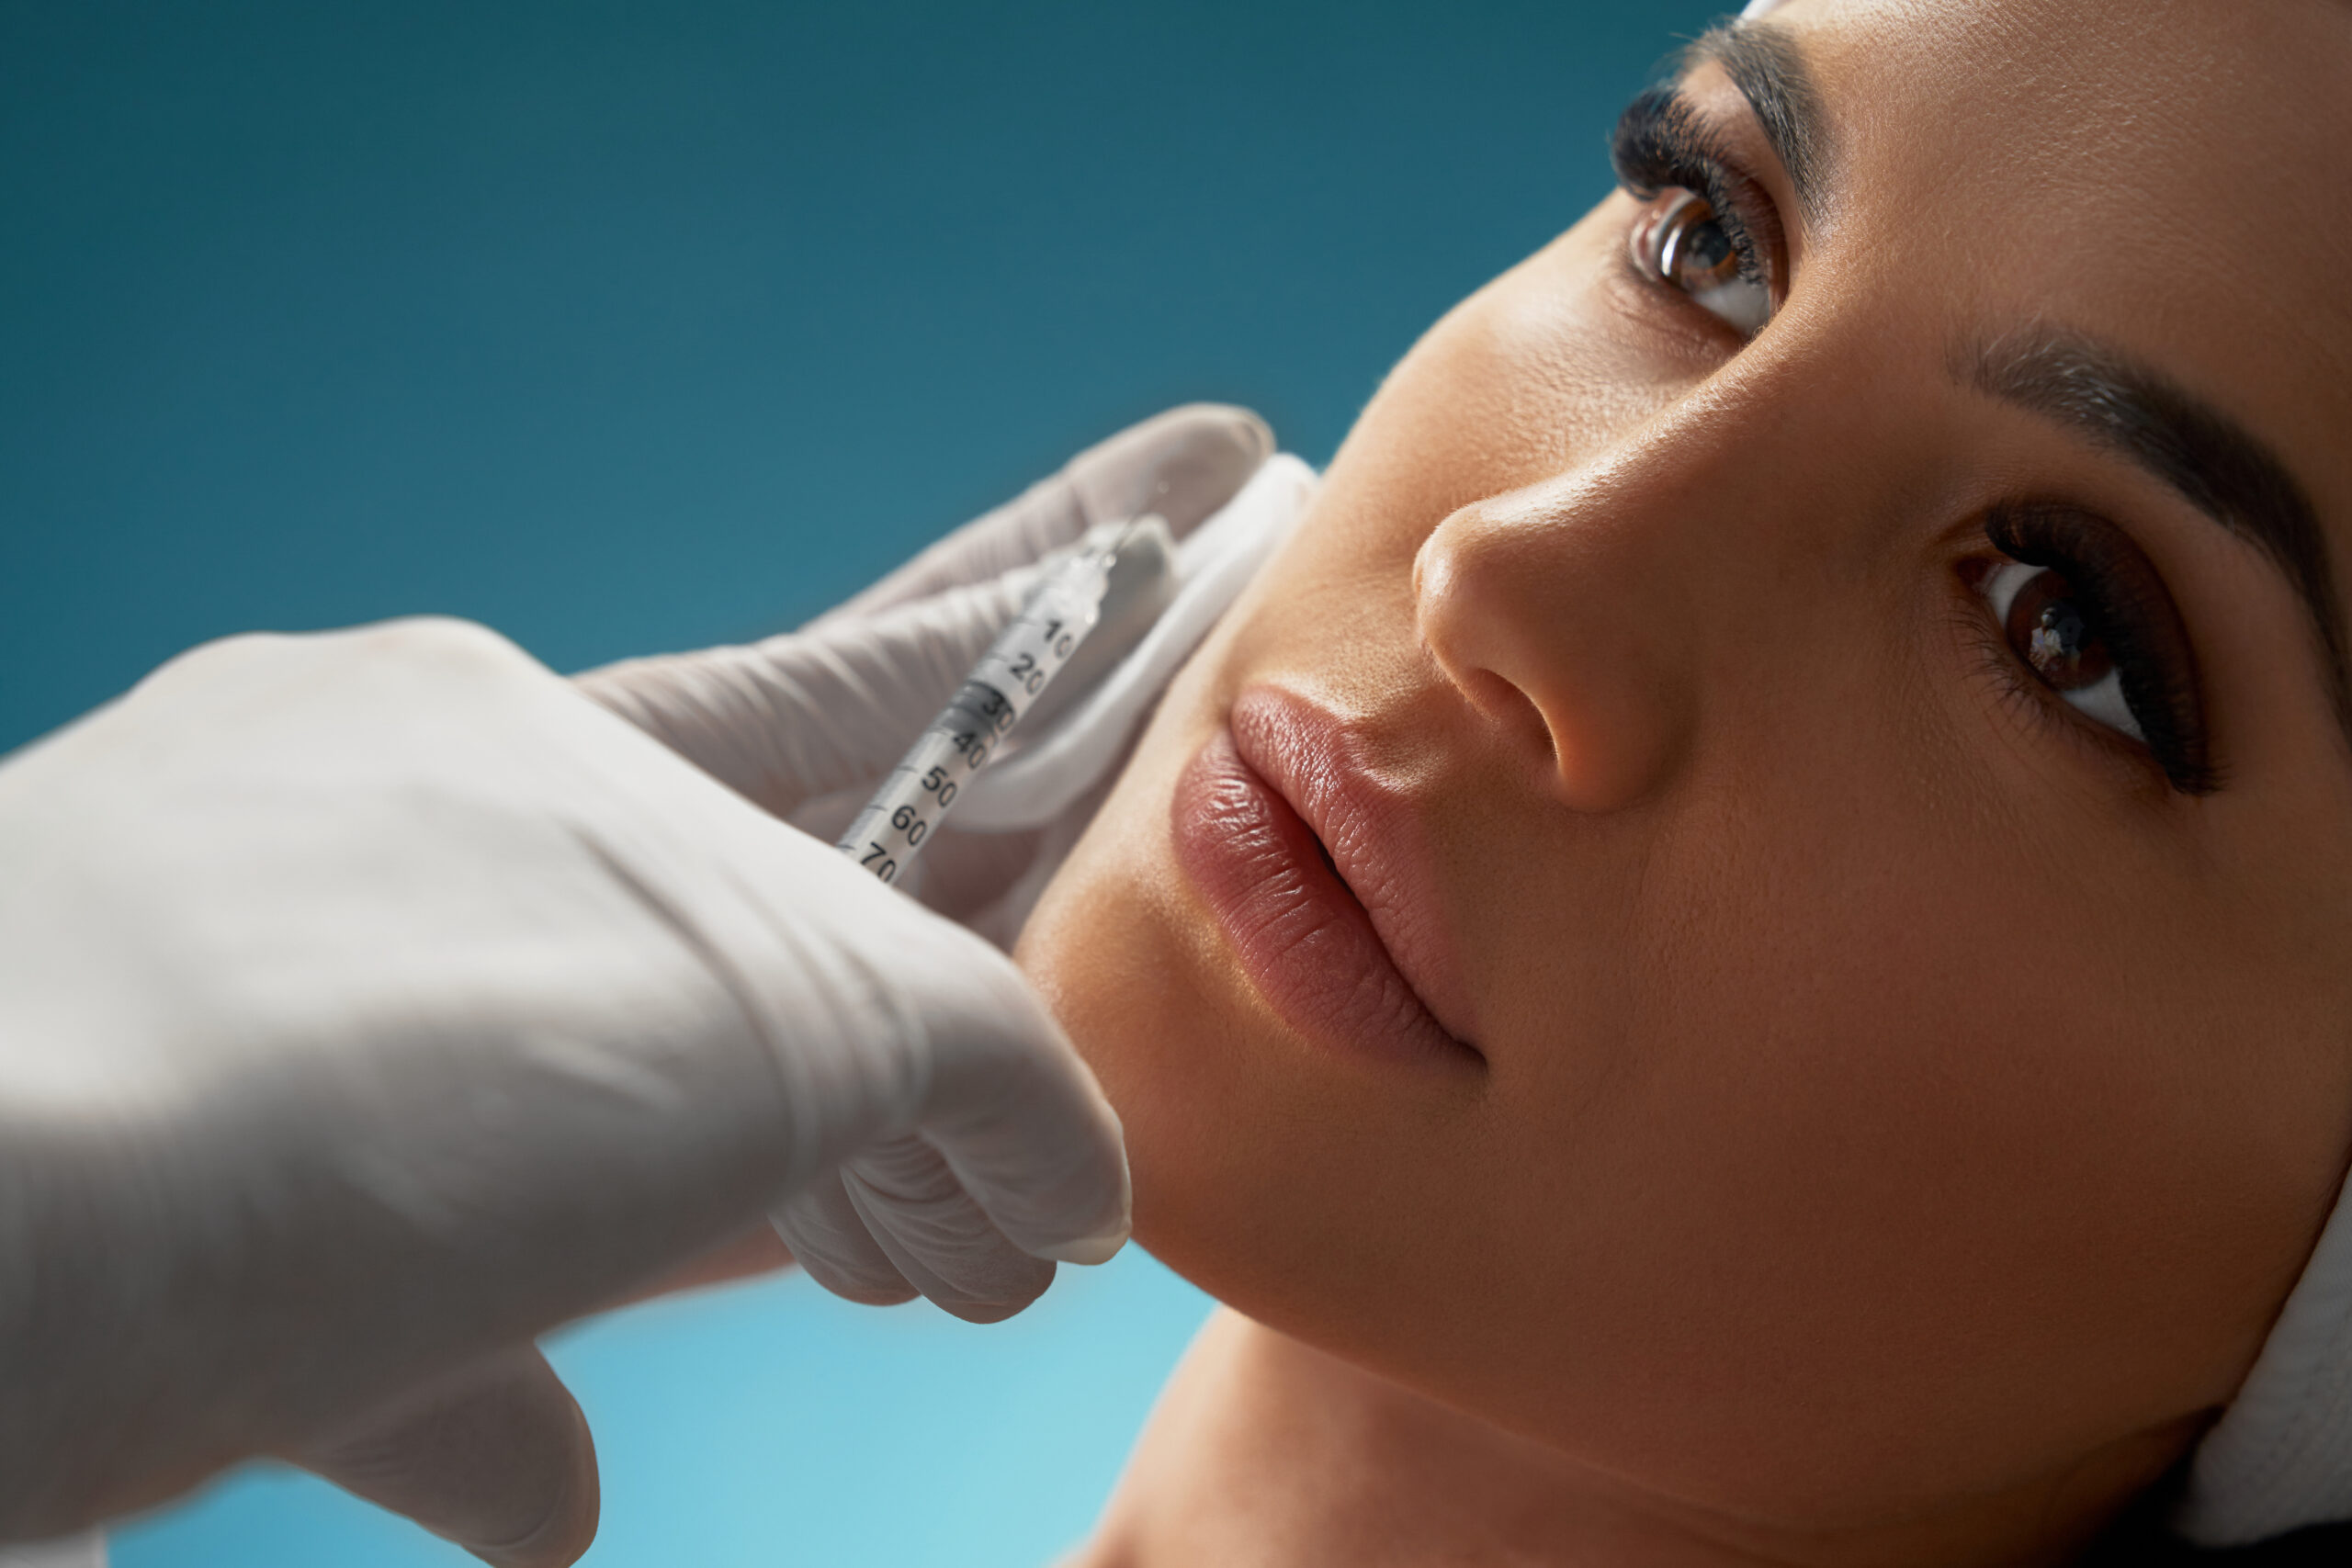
(2048,627)
(1694,252)
(2054,633)
(1681,243)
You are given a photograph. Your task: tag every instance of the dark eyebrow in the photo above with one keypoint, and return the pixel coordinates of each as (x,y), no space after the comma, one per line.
(1764,62)
(2212,460)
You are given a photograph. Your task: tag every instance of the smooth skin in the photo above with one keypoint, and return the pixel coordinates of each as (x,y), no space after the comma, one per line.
(1901,1112)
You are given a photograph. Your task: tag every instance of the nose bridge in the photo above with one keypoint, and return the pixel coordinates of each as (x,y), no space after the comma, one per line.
(1583,613)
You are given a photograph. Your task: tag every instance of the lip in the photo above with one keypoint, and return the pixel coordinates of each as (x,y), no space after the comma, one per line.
(1312,865)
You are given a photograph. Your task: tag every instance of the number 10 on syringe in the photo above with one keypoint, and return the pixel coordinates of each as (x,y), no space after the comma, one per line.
(1017,667)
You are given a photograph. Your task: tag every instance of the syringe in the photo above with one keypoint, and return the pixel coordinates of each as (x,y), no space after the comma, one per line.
(1062,610)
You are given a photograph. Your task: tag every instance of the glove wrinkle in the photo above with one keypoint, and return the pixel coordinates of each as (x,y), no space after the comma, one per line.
(722,966)
(939,1239)
(828,1238)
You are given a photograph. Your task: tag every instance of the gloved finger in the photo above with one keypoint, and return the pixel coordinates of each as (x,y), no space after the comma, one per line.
(795,717)
(86,1550)
(1186,464)
(497,1458)
(809,719)
(801,715)
(941,1242)
(830,1238)
(1012,1109)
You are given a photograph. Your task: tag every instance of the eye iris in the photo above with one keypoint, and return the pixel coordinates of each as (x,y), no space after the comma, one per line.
(1682,244)
(1704,258)
(1685,244)
(2050,631)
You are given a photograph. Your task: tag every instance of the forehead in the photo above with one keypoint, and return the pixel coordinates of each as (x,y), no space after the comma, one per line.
(2125,78)
(2174,176)
(2171,177)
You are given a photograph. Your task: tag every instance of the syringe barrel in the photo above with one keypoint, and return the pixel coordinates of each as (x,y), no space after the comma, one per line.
(1012,674)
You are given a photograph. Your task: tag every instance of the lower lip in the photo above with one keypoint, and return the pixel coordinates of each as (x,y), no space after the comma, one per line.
(1303,938)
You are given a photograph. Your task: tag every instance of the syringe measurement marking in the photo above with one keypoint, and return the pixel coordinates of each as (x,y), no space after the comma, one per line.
(957,744)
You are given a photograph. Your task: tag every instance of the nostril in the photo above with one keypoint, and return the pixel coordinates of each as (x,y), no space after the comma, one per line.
(1465,580)
(1511,710)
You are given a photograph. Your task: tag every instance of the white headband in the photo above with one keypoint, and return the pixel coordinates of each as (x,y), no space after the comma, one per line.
(2280,1456)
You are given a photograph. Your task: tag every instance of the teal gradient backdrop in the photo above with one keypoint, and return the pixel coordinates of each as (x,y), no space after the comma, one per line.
(631,326)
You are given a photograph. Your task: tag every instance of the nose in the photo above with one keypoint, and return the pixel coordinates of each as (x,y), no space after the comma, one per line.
(1568,613)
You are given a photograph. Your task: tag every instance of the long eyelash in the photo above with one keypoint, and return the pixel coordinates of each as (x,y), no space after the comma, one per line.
(2139,621)
(1659,143)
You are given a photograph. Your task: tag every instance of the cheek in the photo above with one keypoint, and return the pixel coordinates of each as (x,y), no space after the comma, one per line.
(1531,376)
(1913,1136)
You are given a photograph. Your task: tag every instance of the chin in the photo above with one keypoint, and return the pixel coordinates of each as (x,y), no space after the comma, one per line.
(1114,953)
(1266,1172)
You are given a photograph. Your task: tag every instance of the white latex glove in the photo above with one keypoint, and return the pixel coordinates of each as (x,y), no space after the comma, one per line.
(78,1552)
(372,1002)
(807,724)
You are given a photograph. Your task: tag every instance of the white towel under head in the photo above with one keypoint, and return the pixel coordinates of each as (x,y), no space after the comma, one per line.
(2280,1456)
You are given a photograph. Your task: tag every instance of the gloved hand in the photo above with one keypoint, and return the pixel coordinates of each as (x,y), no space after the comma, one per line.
(372,1002)
(805,724)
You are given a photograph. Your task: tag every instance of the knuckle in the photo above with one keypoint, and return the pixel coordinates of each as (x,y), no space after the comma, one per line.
(209,657)
(459,646)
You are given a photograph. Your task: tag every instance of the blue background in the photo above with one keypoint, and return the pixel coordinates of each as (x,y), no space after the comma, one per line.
(626,327)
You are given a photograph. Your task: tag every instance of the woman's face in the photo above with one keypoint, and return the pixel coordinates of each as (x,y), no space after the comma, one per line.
(1775,909)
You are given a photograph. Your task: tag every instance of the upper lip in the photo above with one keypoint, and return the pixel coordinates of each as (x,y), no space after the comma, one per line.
(1369,827)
